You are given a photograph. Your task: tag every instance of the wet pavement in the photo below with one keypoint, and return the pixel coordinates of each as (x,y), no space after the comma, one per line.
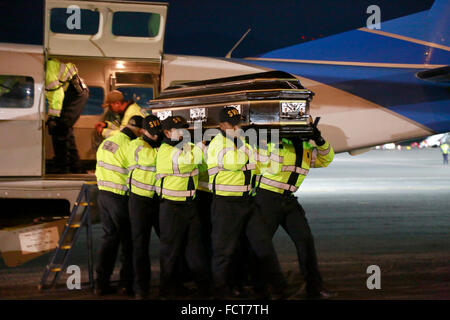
(387,208)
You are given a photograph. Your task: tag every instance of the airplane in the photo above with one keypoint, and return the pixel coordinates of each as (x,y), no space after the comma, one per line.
(435,140)
(372,87)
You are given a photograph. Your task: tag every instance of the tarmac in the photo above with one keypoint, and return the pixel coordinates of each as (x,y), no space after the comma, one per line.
(387,208)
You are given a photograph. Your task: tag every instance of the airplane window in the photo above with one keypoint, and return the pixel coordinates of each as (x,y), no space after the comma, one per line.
(16,91)
(140,95)
(136,24)
(63,20)
(94,104)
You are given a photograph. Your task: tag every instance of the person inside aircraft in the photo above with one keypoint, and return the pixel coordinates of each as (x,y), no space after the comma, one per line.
(67,95)
(119,113)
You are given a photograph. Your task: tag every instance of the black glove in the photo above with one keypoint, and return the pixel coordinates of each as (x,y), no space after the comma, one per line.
(52,124)
(317,137)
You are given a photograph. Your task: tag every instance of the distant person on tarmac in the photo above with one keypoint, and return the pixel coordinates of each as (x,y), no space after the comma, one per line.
(444,149)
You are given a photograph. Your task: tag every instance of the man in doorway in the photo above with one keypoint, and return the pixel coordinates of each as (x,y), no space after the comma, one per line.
(66,95)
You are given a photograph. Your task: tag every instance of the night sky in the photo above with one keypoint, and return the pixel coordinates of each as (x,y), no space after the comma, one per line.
(211,27)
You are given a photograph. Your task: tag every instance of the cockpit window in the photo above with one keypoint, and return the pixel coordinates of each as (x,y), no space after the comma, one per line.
(74,21)
(136,24)
(16,92)
(140,95)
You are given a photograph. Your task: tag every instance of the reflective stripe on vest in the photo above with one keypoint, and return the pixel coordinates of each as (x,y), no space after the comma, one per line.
(230,188)
(176,193)
(203,184)
(213,171)
(138,166)
(53,112)
(223,151)
(57,83)
(113,185)
(313,157)
(131,168)
(276,158)
(62,67)
(70,73)
(144,186)
(147,168)
(143,168)
(181,175)
(112,167)
(221,155)
(299,170)
(324,152)
(136,153)
(261,157)
(53,85)
(175,161)
(264,158)
(279,185)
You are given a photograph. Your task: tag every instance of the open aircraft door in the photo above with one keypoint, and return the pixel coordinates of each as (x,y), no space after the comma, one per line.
(109,29)
(105,40)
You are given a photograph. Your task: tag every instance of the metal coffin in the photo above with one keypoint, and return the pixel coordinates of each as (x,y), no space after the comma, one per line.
(269,100)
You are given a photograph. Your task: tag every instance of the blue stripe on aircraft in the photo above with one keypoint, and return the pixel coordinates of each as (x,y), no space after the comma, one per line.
(361,46)
(394,88)
(431,25)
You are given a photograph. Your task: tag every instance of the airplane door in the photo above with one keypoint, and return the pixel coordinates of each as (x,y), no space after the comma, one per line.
(105,29)
(21,101)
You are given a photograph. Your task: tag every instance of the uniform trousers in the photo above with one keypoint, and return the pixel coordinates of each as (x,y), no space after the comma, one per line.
(233,217)
(116,231)
(180,229)
(144,214)
(64,146)
(276,210)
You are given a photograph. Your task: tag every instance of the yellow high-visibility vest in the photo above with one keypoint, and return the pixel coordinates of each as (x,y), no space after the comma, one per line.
(177,171)
(142,168)
(112,164)
(279,169)
(57,78)
(230,168)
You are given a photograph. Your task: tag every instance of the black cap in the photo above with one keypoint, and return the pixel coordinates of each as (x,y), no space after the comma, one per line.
(174,122)
(230,115)
(152,124)
(136,121)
